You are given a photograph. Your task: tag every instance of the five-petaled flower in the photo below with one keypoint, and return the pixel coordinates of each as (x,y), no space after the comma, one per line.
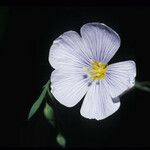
(81,68)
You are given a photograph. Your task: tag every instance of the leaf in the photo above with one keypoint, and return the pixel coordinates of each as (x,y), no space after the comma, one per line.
(145,86)
(47,84)
(49,113)
(37,104)
(61,140)
(50,94)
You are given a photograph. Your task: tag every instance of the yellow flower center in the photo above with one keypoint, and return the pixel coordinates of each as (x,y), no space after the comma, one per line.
(97,70)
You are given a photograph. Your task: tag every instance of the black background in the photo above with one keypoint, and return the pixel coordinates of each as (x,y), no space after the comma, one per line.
(27,33)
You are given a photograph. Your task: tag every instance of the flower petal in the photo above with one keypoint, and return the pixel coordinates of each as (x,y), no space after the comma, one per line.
(68,88)
(97,103)
(101,41)
(68,51)
(120,77)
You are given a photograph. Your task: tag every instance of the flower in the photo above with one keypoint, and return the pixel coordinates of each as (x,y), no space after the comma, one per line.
(81,68)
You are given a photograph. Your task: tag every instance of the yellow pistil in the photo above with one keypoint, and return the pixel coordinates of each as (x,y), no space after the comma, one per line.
(97,70)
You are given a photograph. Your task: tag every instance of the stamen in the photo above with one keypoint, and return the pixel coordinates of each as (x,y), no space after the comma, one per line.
(97,70)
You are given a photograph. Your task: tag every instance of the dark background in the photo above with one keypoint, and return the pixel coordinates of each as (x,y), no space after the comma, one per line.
(27,33)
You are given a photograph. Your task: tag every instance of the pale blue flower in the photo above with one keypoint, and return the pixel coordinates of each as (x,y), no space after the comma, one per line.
(80,64)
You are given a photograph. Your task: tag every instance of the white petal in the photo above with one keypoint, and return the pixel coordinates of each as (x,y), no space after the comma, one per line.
(68,87)
(68,51)
(120,77)
(97,103)
(101,41)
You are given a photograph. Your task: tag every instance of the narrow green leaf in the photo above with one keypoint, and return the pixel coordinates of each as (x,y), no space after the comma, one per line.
(47,84)
(61,140)
(50,94)
(37,104)
(49,113)
(145,86)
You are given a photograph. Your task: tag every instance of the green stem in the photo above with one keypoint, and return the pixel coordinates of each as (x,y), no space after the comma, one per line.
(144,85)
(55,110)
(47,84)
(59,138)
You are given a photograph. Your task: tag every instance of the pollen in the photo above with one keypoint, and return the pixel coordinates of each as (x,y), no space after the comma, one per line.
(97,70)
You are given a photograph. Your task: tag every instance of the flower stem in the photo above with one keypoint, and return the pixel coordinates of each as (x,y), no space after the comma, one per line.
(54,107)
(61,142)
(144,85)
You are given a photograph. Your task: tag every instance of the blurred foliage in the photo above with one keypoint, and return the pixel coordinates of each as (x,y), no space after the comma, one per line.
(144,86)
(61,140)
(49,113)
